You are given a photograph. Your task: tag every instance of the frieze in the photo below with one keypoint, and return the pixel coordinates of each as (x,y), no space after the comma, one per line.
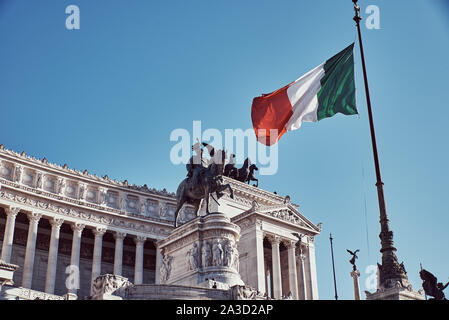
(91,217)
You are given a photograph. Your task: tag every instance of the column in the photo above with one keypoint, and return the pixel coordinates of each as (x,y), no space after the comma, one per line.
(355,274)
(96,260)
(277,279)
(138,268)
(118,257)
(255,258)
(312,267)
(157,273)
(260,258)
(30,251)
(74,284)
(302,283)
(8,237)
(53,255)
(292,274)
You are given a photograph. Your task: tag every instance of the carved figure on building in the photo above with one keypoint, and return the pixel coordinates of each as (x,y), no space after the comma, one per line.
(202,182)
(217,253)
(143,208)
(83,192)
(227,254)
(239,292)
(166,268)
(18,174)
(163,209)
(103,197)
(61,186)
(235,258)
(121,202)
(192,257)
(108,284)
(39,180)
(206,254)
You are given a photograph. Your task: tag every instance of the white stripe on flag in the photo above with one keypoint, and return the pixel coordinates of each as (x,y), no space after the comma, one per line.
(303,98)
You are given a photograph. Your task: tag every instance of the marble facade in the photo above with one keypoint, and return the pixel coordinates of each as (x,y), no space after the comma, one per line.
(53,217)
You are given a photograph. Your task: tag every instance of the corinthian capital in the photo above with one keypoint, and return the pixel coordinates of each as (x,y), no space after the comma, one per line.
(34,217)
(140,239)
(290,244)
(274,239)
(78,227)
(56,222)
(12,211)
(99,231)
(119,235)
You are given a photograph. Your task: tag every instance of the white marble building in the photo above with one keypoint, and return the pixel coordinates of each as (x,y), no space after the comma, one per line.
(53,217)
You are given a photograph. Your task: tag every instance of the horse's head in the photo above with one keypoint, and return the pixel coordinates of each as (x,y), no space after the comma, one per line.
(253,167)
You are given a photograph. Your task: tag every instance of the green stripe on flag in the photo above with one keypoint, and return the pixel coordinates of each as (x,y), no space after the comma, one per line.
(337,92)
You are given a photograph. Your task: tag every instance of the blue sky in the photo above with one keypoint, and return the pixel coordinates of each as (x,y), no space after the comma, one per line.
(106,97)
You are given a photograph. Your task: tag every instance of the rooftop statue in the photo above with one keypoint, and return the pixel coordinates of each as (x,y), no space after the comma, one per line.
(431,286)
(244,174)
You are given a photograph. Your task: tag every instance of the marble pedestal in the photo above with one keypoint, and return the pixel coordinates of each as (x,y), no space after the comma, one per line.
(200,252)
(396,293)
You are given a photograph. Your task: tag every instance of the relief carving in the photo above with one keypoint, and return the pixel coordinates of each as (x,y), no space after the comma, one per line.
(166,268)
(206,253)
(192,257)
(217,253)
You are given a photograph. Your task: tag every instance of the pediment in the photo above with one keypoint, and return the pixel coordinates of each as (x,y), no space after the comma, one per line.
(287,213)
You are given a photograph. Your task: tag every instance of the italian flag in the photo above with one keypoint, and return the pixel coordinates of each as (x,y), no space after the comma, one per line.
(321,93)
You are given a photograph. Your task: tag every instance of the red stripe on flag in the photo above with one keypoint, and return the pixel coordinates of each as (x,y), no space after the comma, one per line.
(271,111)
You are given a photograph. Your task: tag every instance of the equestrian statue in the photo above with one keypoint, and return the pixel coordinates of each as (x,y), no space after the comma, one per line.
(205,177)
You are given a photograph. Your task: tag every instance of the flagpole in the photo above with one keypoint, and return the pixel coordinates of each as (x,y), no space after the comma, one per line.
(333,267)
(391,272)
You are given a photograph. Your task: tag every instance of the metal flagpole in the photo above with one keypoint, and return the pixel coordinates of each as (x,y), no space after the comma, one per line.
(391,272)
(333,267)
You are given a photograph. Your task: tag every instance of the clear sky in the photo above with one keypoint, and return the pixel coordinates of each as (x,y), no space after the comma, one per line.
(106,97)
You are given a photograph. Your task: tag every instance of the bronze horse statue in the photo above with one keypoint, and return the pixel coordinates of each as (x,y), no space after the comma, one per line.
(246,173)
(208,180)
(251,176)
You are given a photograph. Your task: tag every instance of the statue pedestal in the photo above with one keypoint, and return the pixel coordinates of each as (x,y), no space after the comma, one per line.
(396,293)
(204,250)
(396,290)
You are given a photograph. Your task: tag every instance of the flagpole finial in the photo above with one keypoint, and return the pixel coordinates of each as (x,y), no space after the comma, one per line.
(357,17)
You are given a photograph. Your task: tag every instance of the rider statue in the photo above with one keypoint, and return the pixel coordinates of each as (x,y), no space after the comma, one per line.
(196,163)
